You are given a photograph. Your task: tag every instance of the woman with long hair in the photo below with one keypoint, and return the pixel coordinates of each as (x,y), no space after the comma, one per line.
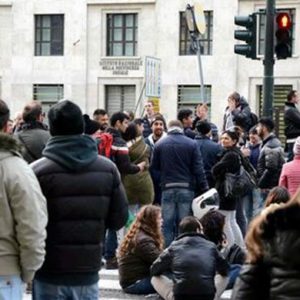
(139,187)
(230,162)
(273,262)
(141,246)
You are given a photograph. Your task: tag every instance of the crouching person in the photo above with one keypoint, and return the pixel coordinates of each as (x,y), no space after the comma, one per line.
(187,268)
(140,248)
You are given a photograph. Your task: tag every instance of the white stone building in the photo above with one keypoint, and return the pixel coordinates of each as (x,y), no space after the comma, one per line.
(93,52)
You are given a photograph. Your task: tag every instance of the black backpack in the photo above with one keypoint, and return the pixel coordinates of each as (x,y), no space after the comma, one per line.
(253,119)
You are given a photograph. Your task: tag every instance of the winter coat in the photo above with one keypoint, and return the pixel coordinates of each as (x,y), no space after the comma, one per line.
(189,132)
(279,276)
(193,262)
(147,127)
(270,161)
(179,160)
(230,162)
(23,214)
(120,154)
(139,187)
(291,120)
(84,196)
(290,175)
(135,265)
(211,153)
(254,154)
(33,137)
(241,116)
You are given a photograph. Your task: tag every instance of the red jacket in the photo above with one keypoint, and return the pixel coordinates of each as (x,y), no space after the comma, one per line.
(290,175)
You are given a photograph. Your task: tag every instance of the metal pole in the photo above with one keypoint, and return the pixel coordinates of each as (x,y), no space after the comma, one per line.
(200,70)
(140,98)
(269,60)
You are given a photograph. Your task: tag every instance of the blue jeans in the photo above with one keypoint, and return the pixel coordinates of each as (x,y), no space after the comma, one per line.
(141,287)
(253,203)
(111,244)
(11,288)
(46,291)
(175,204)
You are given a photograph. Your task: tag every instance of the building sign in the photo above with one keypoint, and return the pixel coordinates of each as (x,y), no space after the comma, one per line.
(120,66)
(153,77)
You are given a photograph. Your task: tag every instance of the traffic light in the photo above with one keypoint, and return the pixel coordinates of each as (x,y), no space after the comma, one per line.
(283,46)
(248,36)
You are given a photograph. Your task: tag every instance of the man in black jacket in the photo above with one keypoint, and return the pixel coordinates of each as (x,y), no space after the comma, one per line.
(84,196)
(292,122)
(192,261)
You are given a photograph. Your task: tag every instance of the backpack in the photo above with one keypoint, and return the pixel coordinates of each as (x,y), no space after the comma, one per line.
(253,119)
(104,142)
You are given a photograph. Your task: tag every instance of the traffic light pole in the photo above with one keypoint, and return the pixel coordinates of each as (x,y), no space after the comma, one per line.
(269,60)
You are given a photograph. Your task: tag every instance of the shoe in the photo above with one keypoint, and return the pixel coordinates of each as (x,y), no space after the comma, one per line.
(111,263)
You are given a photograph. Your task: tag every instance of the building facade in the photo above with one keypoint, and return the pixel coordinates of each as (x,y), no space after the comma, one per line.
(94,51)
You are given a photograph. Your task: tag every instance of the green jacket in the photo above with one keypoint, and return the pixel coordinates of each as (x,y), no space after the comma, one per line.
(23,214)
(139,186)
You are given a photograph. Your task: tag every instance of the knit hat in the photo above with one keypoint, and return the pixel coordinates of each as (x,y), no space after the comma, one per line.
(65,118)
(297,146)
(90,126)
(159,117)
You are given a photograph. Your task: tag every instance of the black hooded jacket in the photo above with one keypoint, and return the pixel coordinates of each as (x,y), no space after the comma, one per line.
(291,120)
(84,196)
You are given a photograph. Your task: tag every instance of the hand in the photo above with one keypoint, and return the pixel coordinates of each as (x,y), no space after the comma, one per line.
(142,166)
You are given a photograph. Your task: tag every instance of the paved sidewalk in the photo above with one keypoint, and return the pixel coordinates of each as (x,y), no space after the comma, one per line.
(110,289)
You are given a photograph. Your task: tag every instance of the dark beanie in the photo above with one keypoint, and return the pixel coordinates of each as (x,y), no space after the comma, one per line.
(90,126)
(65,118)
(159,117)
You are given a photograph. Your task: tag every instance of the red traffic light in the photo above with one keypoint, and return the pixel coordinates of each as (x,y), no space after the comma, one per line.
(283,21)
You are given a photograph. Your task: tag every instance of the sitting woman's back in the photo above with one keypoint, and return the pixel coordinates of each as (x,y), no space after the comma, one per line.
(140,247)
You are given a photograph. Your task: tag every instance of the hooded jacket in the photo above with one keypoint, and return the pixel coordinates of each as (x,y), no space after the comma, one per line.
(277,275)
(23,214)
(84,196)
(270,162)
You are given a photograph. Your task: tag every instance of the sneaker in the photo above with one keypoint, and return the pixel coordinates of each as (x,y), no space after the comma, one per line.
(111,263)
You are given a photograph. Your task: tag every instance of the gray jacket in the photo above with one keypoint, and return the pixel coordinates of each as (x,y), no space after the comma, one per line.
(23,214)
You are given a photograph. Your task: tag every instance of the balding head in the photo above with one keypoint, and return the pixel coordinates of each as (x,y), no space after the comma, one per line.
(32,112)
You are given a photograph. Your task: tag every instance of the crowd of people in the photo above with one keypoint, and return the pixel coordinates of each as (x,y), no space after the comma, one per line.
(69,186)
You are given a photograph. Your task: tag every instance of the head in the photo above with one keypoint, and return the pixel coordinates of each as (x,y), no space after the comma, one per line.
(149,107)
(119,121)
(158,125)
(190,224)
(90,126)
(234,98)
(253,136)
(213,226)
(65,118)
(10,127)
(32,112)
(139,125)
(131,132)
(296,148)
(204,128)
(101,116)
(130,114)
(202,111)
(277,195)
(4,116)
(264,127)
(230,138)
(185,116)
(175,123)
(293,97)
(148,220)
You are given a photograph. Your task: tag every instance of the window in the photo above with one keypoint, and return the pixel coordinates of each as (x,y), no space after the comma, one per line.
(189,96)
(119,98)
(48,95)
(205,39)
(262,29)
(280,94)
(49,35)
(122,34)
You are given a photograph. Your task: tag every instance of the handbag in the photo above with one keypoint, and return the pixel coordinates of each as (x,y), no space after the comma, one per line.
(238,184)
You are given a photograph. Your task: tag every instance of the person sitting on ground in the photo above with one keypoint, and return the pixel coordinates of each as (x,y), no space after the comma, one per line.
(192,262)
(140,248)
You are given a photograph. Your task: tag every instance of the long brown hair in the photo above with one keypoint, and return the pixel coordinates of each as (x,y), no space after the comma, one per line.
(146,221)
(253,237)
